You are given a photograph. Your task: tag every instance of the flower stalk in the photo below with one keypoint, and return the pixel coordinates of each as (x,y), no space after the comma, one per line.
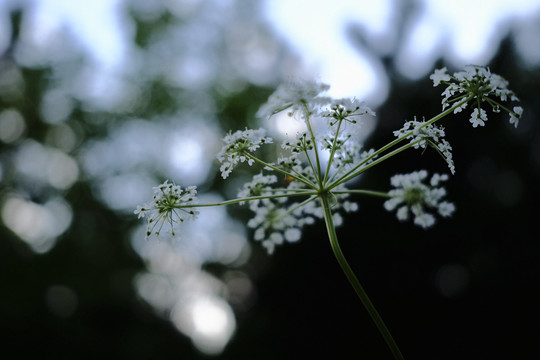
(353,280)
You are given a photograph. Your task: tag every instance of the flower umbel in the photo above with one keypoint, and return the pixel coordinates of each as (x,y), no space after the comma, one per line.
(351,110)
(258,186)
(238,146)
(476,83)
(413,196)
(274,223)
(170,205)
(421,134)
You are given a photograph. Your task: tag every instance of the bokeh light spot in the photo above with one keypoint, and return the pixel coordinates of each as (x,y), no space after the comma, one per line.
(12,125)
(124,192)
(208,321)
(37,225)
(186,153)
(46,165)
(56,106)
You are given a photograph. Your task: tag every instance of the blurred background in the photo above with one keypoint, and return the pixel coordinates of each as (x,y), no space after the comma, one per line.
(101,100)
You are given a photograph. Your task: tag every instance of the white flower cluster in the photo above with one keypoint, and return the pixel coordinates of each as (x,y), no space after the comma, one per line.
(294,96)
(422,134)
(277,221)
(411,195)
(324,157)
(331,125)
(237,147)
(171,204)
(291,162)
(302,143)
(258,186)
(347,152)
(274,223)
(350,110)
(483,86)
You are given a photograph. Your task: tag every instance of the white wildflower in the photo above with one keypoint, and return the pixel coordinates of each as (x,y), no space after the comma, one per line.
(290,162)
(237,147)
(258,186)
(348,156)
(446,209)
(274,224)
(292,234)
(412,196)
(171,204)
(350,110)
(439,75)
(421,218)
(302,143)
(277,221)
(516,115)
(436,179)
(478,117)
(481,86)
(445,149)
(421,135)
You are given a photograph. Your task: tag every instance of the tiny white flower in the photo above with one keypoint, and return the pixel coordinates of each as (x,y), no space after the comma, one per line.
(269,245)
(439,75)
(436,179)
(276,238)
(446,209)
(293,234)
(350,206)
(393,202)
(424,220)
(478,117)
(514,117)
(141,210)
(403,213)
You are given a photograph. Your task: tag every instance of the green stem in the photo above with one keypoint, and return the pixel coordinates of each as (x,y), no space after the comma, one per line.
(354,280)
(364,192)
(241,200)
(332,153)
(317,171)
(345,178)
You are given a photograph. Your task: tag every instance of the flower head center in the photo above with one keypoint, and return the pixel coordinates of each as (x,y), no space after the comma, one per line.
(414,195)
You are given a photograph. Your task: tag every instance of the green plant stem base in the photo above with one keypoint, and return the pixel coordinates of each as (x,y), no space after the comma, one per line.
(354,280)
